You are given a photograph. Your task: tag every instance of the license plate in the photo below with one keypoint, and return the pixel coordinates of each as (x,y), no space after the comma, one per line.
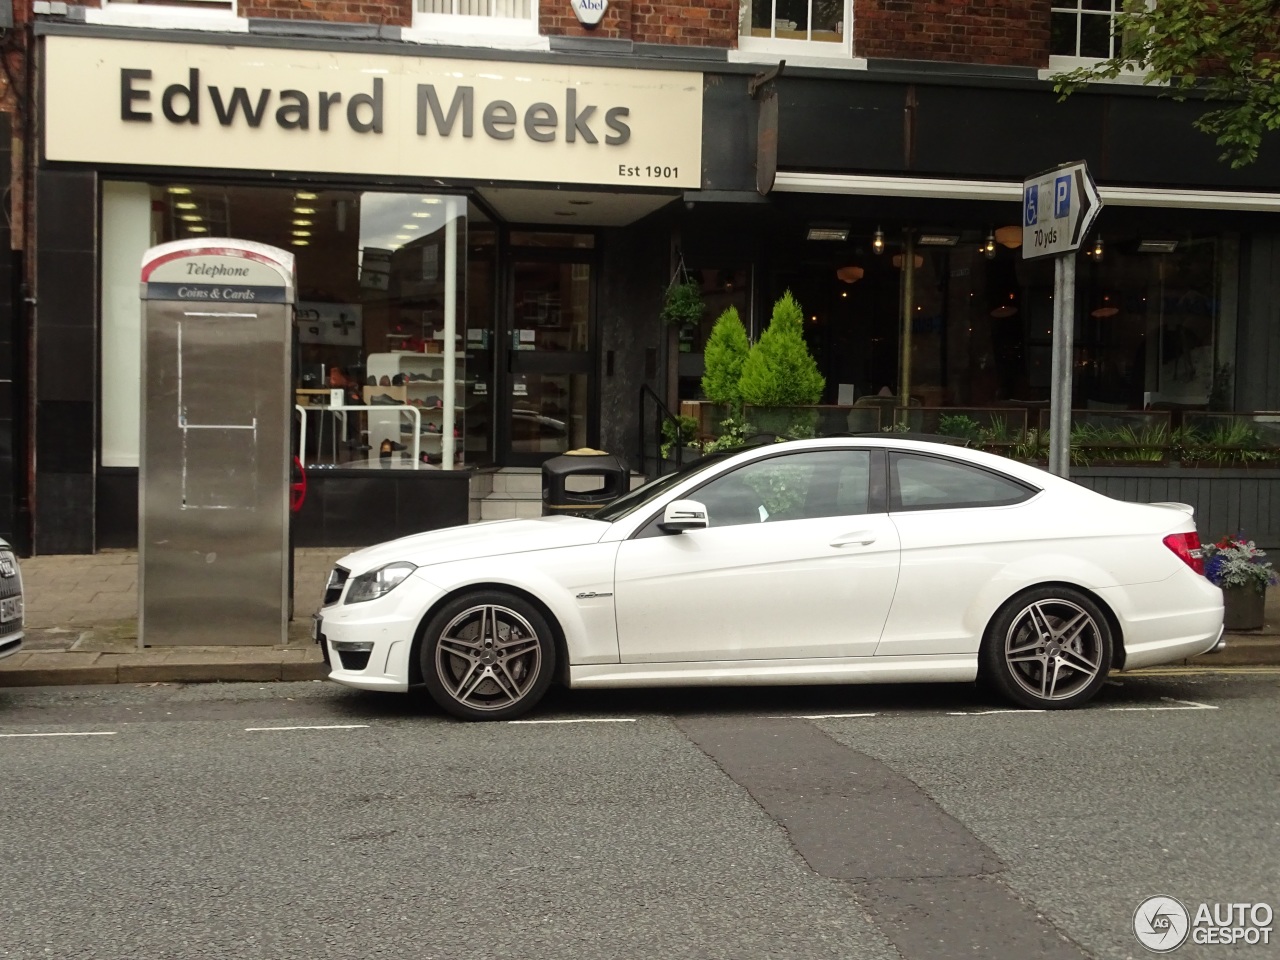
(316,620)
(10,609)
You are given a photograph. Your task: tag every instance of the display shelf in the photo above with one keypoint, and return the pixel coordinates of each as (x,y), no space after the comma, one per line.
(391,424)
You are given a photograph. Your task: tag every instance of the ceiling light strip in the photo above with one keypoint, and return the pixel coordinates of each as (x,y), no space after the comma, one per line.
(868,186)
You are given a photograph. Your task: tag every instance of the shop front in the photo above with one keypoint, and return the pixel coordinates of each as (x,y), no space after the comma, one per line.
(894,218)
(455,225)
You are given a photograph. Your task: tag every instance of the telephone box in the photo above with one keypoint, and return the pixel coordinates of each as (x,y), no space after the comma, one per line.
(214,474)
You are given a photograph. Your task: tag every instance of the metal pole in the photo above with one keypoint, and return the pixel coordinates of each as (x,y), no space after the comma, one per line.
(447,442)
(1064,311)
(908,301)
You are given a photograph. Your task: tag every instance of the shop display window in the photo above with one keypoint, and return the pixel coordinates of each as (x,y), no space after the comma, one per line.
(1154,325)
(382,280)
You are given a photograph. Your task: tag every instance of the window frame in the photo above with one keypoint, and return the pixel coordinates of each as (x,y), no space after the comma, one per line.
(424,25)
(1059,62)
(749,44)
(895,504)
(224,17)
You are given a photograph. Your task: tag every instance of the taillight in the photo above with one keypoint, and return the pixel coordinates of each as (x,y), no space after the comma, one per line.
(1187,547)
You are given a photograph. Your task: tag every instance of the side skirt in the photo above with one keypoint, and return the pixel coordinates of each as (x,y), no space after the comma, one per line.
(960,668)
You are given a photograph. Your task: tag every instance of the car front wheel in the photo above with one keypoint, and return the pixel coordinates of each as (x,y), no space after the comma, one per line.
(487,656)
(1048,648)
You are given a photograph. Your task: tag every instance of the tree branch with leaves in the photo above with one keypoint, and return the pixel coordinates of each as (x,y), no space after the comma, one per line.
(1224,51)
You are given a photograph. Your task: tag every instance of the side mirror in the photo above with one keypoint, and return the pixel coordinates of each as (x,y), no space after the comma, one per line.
(682,515)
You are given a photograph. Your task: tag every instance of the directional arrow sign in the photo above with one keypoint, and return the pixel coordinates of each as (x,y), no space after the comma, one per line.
(1058,208)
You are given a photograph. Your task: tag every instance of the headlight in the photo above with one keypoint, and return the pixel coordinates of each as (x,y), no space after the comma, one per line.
(378,583)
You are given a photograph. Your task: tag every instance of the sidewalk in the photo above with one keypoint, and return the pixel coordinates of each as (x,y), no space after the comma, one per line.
(82,627)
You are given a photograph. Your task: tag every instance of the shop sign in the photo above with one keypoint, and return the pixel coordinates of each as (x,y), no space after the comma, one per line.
(332,324)
(256,108)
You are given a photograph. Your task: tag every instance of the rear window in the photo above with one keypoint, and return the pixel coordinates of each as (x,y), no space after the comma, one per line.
(934,483)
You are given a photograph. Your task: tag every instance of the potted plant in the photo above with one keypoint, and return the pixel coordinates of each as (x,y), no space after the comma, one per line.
(680,432)
(779,372)
(683,306)
(1244,573)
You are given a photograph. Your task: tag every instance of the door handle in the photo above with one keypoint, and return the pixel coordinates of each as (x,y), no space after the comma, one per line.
(859,538)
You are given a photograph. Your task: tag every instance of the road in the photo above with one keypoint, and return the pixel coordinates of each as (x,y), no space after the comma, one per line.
(310,821)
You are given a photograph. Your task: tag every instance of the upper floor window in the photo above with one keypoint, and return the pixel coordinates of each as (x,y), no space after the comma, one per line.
(782,25)
(476,15)
(217,15)
(1086,29)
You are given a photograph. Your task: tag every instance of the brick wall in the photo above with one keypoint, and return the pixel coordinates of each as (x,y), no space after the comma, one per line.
(998,32)
(395,13)
(708,23)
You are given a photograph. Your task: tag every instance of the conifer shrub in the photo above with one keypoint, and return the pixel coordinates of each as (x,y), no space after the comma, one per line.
(725,353)
(779,370)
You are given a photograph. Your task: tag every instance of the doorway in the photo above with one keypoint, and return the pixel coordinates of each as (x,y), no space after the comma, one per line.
(550,348)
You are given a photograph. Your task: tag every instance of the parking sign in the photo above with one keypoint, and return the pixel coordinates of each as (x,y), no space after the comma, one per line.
(1062,197)
(1061,228)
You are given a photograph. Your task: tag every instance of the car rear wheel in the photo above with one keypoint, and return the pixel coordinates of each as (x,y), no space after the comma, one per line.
(487,656)
(1048,648)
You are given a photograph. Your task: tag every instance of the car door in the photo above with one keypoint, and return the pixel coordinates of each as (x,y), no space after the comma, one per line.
(959,525)
(800,560)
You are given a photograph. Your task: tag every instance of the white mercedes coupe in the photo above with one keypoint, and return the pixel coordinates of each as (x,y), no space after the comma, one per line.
(840,560)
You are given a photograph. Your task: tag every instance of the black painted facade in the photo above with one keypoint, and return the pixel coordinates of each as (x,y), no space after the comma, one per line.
(13,355)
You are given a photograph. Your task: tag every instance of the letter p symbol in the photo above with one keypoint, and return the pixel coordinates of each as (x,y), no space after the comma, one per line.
(1061,197)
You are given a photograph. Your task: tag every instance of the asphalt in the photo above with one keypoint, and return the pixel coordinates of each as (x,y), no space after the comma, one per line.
(82,628)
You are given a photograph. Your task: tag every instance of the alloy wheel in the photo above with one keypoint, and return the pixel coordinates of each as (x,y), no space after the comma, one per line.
(1054,649)
(488,657)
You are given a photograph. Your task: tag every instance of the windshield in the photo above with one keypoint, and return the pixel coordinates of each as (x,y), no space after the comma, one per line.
(637,498)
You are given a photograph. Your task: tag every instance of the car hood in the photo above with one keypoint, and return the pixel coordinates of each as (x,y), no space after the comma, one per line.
(478,540)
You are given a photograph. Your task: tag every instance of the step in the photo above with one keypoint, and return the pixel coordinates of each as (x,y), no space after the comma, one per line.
(518,481)
(507,508)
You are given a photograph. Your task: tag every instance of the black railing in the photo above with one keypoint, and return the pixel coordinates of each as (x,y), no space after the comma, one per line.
(661,415)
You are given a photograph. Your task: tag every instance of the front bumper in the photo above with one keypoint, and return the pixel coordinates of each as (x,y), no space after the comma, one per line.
(10,645)
(368,645)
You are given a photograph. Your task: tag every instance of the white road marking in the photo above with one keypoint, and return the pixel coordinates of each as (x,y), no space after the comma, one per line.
(1189,705)
(987,713)
(1244,670)
(334,726)
(822,716)
(94,733)
(582,720)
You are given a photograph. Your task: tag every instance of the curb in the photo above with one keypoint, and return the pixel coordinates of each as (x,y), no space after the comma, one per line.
(104,673)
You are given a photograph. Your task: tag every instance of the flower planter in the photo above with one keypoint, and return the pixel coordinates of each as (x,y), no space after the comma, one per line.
(1243,608)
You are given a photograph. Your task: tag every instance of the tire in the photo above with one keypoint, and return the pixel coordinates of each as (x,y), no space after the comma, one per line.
(1048,649)
(487,655)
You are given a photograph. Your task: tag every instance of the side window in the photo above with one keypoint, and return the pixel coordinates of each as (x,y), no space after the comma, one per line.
(931,483)
(801,486)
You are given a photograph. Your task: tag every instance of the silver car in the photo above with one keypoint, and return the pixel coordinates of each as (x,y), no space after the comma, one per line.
(10,602)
